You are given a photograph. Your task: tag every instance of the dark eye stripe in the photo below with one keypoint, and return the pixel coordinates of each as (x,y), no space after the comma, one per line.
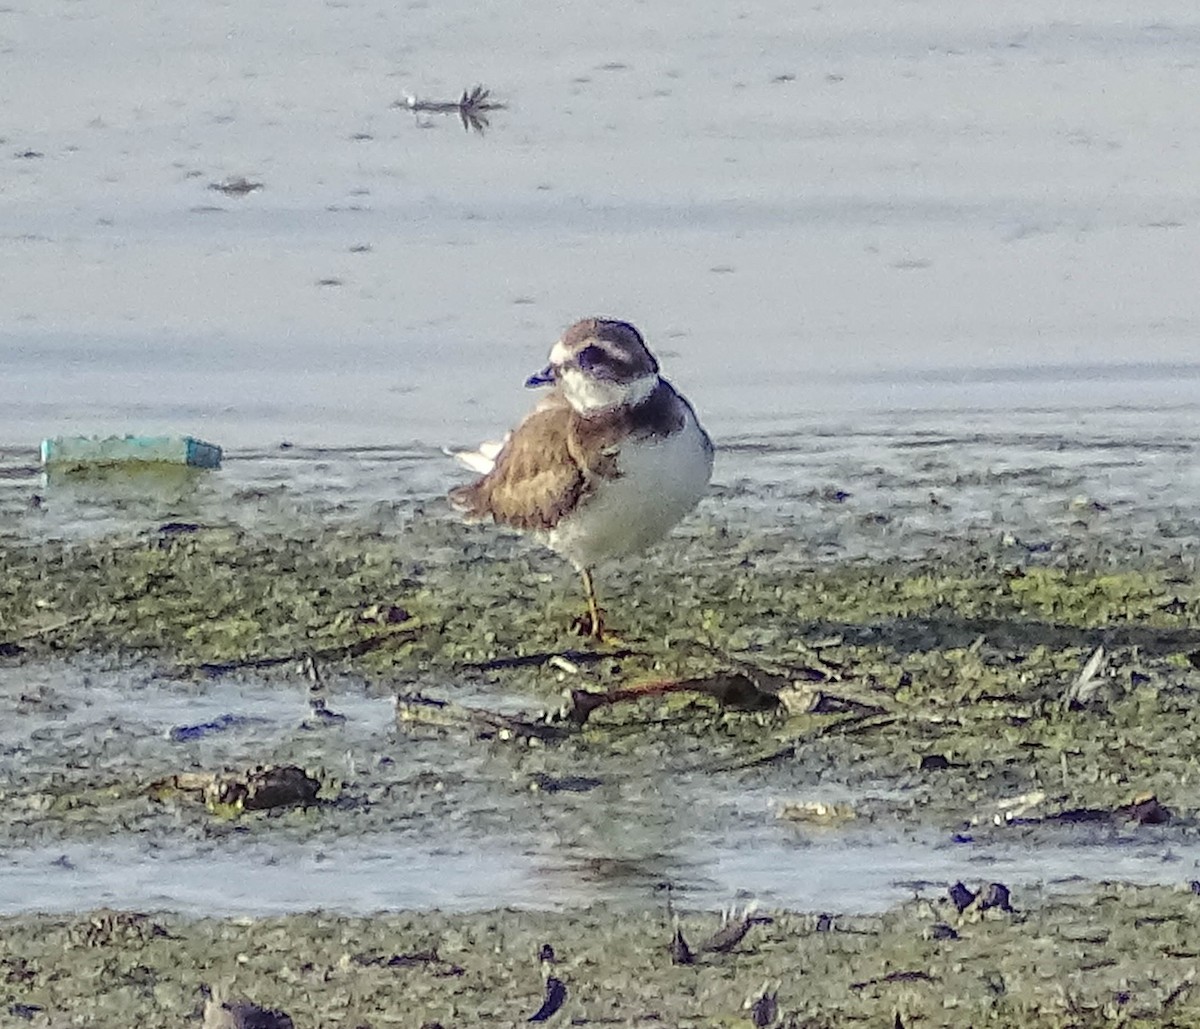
(597,362)
(591,356)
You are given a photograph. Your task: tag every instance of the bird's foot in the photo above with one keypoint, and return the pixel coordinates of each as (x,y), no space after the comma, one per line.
(591,624)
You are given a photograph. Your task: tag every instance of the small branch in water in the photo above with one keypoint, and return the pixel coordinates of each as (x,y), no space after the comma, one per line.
(416,708)
(472,107)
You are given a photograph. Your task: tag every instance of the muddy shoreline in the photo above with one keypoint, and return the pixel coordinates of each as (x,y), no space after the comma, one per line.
(776,696)
(1117,954)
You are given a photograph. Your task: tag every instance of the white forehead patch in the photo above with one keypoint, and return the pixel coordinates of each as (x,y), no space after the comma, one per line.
(559,354)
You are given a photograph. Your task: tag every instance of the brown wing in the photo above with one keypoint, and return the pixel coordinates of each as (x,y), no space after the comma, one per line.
(554,456)
(536,481)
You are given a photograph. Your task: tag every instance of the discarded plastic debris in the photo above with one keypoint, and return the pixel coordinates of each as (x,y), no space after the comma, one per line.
(81,453)
(186,733)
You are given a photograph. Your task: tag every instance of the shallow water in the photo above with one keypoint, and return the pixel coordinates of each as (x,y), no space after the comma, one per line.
(382,873)
(882,483)
(488,839)
(824,209)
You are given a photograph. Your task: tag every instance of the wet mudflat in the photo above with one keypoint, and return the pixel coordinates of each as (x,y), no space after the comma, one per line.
(1118,955)
(864,671)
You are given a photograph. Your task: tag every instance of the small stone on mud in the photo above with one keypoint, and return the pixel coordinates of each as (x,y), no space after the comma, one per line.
(816,812)
(941,931)
(733,931)
(564,783)
(961,896)
(259,789)
(279,787)
(385,614)
(178,528)
(764,1009)
(995,895)
(1146,810)
(243,1014)
(187,733)
(681,953)
(556,996)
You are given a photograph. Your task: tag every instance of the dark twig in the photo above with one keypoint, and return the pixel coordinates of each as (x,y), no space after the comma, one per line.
(341,652)
(731,689)
(915,976)
(418,709)
(576,657)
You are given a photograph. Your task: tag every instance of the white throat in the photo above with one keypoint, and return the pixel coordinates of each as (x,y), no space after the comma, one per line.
(586,394)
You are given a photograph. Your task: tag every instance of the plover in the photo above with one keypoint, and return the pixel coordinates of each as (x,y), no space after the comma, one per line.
(604,466)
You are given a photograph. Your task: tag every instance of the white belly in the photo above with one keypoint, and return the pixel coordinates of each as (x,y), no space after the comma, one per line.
(661,480)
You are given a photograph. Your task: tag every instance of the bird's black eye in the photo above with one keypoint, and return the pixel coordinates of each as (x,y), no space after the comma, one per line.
(592,360)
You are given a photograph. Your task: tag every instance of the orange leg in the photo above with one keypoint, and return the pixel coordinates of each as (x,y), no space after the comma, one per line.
(591,624)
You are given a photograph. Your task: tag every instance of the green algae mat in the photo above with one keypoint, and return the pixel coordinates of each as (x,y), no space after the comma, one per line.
(1065,673)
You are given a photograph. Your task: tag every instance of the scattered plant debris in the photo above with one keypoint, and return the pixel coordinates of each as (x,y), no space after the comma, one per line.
(472,108)
(239,186)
